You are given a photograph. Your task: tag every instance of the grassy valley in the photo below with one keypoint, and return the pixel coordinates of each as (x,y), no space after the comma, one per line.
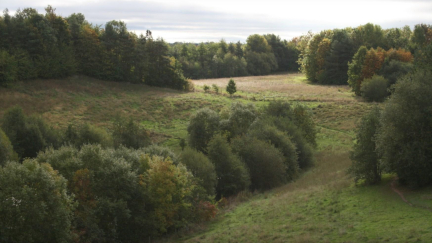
(323,205)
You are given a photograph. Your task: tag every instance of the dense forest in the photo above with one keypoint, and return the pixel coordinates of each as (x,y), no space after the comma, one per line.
(34,45)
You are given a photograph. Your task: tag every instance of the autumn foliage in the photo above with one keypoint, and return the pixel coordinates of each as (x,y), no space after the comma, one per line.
(365,66)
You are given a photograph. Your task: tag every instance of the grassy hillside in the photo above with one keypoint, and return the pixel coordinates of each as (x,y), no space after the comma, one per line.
(166,112)
(323,205)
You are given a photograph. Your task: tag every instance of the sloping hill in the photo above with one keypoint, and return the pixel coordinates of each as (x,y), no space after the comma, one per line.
(323,205)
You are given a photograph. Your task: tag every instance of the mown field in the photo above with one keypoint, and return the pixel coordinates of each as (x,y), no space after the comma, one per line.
(323,205)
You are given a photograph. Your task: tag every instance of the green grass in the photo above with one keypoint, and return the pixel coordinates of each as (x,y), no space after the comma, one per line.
(323,205)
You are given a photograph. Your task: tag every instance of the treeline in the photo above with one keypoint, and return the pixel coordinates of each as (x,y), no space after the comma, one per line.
(357,54)
(34,45)
(261,55)
(84,184)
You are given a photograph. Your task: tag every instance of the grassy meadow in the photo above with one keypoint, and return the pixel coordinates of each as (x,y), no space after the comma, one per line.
(323,205)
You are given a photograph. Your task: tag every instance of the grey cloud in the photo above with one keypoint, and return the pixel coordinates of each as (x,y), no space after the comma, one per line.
(202,22)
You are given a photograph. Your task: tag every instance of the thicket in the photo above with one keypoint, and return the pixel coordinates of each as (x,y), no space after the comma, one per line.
(201,168)
(269,142)
(110,192)
(397,139)
(120,192)
(34,45)
(28,135)
(233,175)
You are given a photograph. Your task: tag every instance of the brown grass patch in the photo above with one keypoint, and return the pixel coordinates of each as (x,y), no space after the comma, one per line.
(291,86)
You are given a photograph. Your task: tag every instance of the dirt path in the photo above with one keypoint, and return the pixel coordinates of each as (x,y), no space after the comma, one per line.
(393,187)
(401,195)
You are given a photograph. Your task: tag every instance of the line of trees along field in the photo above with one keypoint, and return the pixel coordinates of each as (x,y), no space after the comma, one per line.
(261,55)
(34,45)
(366,55)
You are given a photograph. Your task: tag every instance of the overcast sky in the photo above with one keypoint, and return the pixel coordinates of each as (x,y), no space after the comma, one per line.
(235,20)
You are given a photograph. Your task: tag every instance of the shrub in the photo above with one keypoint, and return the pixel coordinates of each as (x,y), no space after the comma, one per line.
(365,159)
(231,87)
(202,126)
(305,151)
(51,136)
(269,133)
(201,168)
(404,138)
(15,128)
(374,89)
(240,117)
(28,135)
(215,88)
(264,161)
(34,205)
(298,114)
(189,86)
(393,70)
(129,134)
(183,144)
(206,88)
(6,150)
(232,173)
(87,134)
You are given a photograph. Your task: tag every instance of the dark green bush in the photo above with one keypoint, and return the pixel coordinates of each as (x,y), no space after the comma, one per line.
(374,89)
(28,135)
(129,134)
(87,134)
(6,150)
(365,159)
(280,140)
(201,168)
(202,126)
(300,115)
(240,117)
(393,70)
(406,127)
(265,162)
(305,151)
(231,87)
(232,173)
